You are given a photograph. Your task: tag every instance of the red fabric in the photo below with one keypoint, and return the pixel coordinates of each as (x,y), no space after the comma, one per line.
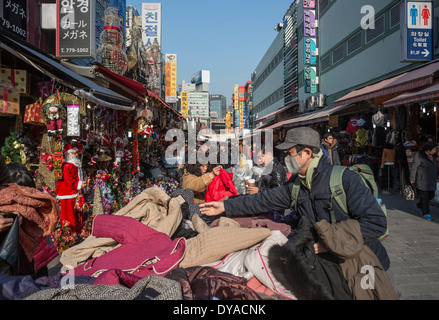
(221,186)
(143,251)
(352,125)
(44,254)
(68,185)
(68,213)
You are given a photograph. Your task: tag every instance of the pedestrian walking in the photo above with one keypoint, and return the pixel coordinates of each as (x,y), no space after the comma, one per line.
(423,175)
(330,148)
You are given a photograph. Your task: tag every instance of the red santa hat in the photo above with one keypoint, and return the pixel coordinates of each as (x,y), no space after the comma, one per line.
(68,149)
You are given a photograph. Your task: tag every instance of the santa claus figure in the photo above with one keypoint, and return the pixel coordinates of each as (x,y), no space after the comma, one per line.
(69,187)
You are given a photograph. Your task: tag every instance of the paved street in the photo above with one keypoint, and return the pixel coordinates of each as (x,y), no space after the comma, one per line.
(413,247)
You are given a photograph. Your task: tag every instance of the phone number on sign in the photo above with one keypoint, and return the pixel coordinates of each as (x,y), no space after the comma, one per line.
(14,28)
(74,50)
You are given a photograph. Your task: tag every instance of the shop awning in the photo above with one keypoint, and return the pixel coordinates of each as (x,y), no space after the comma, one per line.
(55,70)
(136,87)
(309,118)
(274,113)
(431,92)
(406,81)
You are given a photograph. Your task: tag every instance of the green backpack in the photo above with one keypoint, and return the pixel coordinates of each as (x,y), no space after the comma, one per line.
(338,193)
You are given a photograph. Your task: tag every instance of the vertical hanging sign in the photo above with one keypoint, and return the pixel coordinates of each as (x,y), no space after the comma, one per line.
(310,46)
(152,23)
(75,29)
(417,31)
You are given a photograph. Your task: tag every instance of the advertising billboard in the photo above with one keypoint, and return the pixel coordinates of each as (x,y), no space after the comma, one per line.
(202,76)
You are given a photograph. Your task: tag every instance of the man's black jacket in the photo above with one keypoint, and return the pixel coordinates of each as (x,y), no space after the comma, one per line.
(361,204)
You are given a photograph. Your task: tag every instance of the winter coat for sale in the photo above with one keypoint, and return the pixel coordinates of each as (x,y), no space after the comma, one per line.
(143,251)
(423,172)
(221,187)
(153,207)
(313,202)
(344,240)
(307,275)
(39,210)
(205,283)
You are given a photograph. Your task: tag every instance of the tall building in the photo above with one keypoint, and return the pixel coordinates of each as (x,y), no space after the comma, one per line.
(198,95)
(131,15)
(241,106)
(218,104)
(275,79)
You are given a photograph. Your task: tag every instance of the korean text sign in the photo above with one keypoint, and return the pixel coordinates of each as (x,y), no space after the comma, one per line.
(75,31)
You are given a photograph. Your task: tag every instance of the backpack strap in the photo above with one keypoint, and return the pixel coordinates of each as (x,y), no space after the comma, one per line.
(337,190)
(295,193)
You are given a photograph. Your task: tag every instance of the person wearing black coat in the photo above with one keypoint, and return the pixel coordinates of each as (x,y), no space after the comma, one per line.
(307,162)
(423,175)
(273,175)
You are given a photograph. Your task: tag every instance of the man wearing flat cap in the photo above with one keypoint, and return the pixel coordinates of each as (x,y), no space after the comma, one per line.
(306,161)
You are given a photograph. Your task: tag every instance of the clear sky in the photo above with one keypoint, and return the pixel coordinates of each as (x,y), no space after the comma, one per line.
(227,37)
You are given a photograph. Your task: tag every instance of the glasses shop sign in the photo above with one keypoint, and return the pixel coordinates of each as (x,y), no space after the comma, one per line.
(13,14)
(75,29)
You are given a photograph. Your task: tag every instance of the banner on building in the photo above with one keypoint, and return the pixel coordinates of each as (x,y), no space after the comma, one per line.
(152,23)
(310,4)
(171,78)
(75,29)
(310,51)
(184,104)
(311,79)
(309,23)
(236,99)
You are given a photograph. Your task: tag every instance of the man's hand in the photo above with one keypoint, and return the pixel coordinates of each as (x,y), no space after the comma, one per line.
(253,190)
(212,208)
(216,170)
(319,248)
(5,223)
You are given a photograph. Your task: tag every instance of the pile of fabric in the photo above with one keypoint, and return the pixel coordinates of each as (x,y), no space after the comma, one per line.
(159,247)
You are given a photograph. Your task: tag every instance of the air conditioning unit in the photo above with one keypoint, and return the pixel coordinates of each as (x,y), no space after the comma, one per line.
(322,98)
(312,102)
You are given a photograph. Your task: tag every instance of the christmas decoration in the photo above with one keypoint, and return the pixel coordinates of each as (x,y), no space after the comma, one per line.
(110,52)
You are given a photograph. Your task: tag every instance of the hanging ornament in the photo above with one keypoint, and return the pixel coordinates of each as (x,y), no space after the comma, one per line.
(110,52)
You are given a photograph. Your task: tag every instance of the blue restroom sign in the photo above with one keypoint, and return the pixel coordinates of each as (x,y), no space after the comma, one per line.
(419,30)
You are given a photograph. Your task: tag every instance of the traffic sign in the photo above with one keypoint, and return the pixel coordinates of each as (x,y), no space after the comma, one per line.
(418,31)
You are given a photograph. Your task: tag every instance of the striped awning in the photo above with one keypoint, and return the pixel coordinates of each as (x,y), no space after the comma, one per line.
(309,118)
(401,83)
(429,93)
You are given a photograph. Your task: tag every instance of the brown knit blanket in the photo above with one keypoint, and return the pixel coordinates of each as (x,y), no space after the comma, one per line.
(39,210)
